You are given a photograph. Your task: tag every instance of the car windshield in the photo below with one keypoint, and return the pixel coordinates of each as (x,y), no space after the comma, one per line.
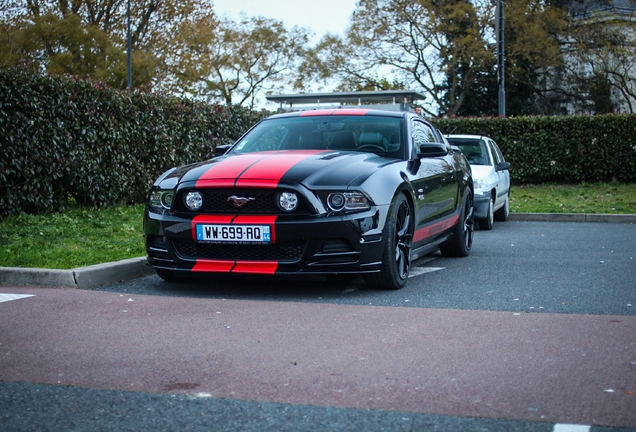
(474,149)
(379,135)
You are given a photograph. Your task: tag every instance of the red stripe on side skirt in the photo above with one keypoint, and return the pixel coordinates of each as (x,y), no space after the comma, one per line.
(435,229)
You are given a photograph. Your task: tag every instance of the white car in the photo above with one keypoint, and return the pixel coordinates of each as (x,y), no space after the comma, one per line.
(491,177)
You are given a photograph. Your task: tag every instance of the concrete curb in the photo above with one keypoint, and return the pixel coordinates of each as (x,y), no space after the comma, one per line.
(573,217)
(82,277)
(107,273)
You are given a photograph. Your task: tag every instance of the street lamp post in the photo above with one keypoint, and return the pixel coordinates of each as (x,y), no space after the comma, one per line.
(129,43)
(500,58)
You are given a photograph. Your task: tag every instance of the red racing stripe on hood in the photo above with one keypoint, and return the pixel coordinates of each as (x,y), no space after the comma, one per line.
(263,169)
(268,171)
(228,169)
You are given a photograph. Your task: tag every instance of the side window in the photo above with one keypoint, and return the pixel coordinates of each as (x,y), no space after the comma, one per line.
(422,134)
(496,154)
(499,153)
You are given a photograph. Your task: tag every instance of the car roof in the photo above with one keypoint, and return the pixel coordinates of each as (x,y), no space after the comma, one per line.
(466,136)
(343,112)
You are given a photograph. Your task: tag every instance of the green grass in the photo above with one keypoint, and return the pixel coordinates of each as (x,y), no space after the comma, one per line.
(76,238)
(601,198)
(82,237)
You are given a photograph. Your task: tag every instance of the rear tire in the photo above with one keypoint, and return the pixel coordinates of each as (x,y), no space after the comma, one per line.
(461,240)
(396,258)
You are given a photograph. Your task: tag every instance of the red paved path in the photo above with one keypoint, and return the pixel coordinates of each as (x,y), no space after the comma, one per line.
(540,367)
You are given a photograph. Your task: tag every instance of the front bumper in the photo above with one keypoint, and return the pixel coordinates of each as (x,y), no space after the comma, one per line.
(482,200)
(316,245)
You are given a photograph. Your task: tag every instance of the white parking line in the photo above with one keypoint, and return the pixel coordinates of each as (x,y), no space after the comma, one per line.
(560,427)
(9,297)
(416,271)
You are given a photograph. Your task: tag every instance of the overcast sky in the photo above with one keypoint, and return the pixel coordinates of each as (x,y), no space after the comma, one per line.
(320,16)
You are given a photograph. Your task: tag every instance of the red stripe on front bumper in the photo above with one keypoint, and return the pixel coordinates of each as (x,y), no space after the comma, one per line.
(216,266)
(246,267)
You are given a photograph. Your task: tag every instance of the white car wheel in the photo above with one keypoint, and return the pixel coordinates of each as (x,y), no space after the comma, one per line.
(503,213)
(486,223)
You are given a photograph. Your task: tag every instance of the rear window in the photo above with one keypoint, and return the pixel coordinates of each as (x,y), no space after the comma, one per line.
(475,150)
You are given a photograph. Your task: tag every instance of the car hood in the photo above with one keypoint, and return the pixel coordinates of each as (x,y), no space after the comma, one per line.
(312,168)
(481,171)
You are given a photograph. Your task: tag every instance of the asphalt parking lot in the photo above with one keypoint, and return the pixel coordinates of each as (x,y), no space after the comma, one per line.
(534,331)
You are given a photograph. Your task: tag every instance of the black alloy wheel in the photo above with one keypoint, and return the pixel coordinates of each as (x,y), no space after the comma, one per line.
(461,240)
(396,259)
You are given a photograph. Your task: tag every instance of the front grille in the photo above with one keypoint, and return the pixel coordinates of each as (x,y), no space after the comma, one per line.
(260,201)
(289,252)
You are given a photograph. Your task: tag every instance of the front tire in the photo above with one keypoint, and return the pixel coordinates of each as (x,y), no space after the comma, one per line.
(168,275)
(461,240)
(503,213)
(396,258)
(486,224)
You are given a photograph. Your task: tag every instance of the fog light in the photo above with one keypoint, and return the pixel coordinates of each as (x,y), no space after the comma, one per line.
(287,201)
(194,200)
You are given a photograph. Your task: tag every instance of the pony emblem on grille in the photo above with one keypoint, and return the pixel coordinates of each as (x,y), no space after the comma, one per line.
(240,201)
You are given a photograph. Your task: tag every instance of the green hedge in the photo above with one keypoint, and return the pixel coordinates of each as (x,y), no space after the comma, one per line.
(65,140)
(570,149)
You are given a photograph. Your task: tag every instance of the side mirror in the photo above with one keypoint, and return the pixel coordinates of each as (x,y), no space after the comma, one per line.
(502,166)
(221,149)
(431,150)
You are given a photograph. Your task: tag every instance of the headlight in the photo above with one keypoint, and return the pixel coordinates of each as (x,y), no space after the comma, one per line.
(347,201)
(479,183)
(193,200)
(161,198)
(287,201)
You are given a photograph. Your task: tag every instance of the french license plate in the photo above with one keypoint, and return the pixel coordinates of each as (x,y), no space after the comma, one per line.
(233,233)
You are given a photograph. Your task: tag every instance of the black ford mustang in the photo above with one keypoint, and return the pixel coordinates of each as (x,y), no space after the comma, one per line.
(325,192)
